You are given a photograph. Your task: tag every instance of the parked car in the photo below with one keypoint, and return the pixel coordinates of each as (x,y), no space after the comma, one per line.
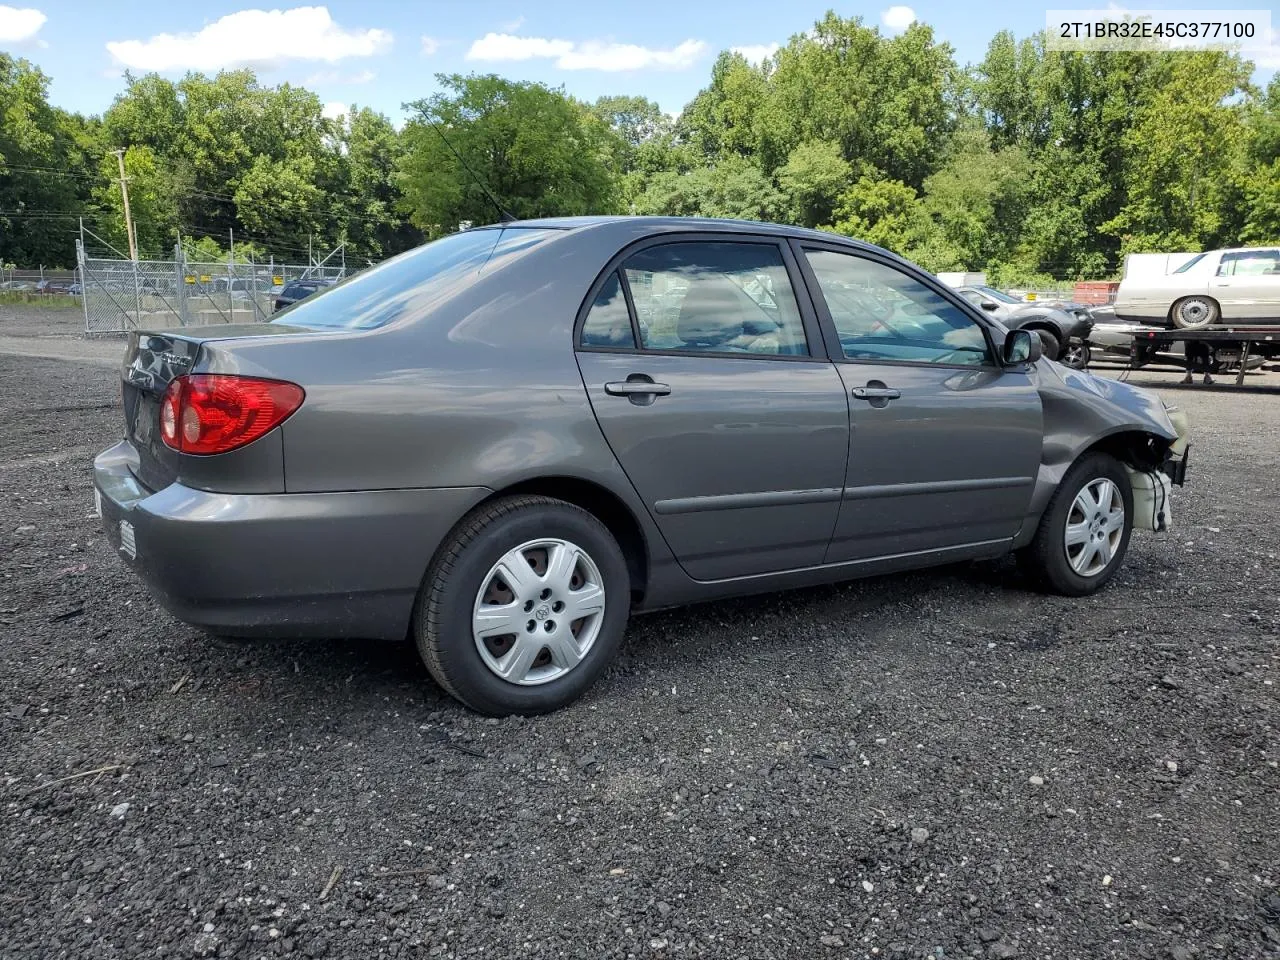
(1219,286)
(296,290)
(55,286)
(1062,333)
(477,444)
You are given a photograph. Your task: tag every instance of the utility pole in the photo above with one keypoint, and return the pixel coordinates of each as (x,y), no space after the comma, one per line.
(128,219)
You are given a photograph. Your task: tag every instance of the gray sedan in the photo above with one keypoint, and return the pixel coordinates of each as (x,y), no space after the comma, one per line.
(503,443)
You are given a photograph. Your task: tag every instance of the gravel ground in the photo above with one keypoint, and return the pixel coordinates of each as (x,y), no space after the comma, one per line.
(938,765)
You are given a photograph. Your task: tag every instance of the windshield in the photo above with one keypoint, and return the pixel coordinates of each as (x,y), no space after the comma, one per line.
(1000,295)
(411,283)
(1190,263)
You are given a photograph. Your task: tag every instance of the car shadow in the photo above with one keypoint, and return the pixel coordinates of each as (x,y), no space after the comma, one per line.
(346,675)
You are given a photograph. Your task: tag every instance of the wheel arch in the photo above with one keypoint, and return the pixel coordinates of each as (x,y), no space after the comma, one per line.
(603,504)
(1129,444)
(1045,323)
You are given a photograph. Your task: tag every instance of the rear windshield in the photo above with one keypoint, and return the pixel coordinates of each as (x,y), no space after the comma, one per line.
(411,283)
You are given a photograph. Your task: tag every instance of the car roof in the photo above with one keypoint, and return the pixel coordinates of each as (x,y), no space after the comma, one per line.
(667,224)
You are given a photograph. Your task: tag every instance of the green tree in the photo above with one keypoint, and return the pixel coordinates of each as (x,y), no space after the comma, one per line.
(1260,184)
(1185,148)
(733,188)
(887,213)
(540,152)
(812,180)
(376,226)
(978,200)
(883,100)
(44,182)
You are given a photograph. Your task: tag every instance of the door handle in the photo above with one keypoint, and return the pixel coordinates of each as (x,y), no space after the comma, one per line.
(876,393)
(636,388)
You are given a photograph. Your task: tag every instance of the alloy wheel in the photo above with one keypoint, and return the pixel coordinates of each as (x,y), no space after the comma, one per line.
(1095,527)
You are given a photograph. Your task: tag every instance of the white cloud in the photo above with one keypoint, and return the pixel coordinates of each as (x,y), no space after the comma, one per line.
(589,55)
(757,52)
(334,109)
(429,45)
(260,38)
(511,26)
(505,47)
(19,23)
(898,18)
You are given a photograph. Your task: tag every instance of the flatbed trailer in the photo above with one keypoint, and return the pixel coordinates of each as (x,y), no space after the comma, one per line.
(1227,344)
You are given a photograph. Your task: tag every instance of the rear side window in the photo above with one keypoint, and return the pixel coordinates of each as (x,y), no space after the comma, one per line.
(608,323)
(412,283)
(715,297)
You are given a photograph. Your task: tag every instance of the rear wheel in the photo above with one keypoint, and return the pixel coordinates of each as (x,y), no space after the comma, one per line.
(1193,313)
(1084,533)
(524,607)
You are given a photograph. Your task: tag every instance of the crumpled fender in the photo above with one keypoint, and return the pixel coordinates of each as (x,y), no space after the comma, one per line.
(1079,411)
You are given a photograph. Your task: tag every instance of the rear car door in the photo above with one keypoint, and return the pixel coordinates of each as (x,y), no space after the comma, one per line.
(707,376)
(944,443)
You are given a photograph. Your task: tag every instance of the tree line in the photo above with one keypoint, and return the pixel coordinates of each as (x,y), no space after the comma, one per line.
(1030,165)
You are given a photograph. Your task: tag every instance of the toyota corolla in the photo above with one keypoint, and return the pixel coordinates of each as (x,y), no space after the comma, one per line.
(503,443)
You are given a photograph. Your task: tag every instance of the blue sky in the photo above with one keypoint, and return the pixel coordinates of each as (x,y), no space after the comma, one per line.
(381,53)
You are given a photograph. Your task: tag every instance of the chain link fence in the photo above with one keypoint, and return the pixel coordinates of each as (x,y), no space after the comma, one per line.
(124,295)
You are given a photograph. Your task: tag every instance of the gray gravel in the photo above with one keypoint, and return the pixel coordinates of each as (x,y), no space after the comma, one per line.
(937,765)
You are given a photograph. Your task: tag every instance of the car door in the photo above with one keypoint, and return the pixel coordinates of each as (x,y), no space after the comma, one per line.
(709,382)
(1247,285)
(945,443)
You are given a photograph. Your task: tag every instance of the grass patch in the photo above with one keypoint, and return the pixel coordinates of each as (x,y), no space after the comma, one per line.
(12,298)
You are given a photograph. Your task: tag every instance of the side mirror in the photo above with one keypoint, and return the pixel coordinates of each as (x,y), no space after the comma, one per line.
(1021,346)
(989,305)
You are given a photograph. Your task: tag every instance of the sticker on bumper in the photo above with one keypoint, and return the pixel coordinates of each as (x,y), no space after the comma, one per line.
(128,545)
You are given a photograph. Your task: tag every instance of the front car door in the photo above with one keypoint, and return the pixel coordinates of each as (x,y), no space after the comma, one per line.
(708,379)
(945,443)
(1247,285)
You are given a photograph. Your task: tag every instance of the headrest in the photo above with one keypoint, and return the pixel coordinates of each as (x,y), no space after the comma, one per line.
(711,313)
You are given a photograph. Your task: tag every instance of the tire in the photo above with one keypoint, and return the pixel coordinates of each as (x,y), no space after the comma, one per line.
(1048,559)
(1049,344)
(1194,313)
(465,578)
(1076,355)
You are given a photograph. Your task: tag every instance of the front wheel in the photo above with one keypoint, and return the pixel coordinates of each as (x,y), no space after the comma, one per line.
(1084,533)
(524,607)
(1050,346)
(1076,355)
(1194,313)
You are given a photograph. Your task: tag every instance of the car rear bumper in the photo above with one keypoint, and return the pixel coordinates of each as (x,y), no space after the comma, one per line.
(343,564)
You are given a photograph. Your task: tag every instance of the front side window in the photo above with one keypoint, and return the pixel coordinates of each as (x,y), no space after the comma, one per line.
(1255,263)
(715,297)
(881,313)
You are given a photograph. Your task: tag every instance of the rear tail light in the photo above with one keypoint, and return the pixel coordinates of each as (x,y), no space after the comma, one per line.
(207,413)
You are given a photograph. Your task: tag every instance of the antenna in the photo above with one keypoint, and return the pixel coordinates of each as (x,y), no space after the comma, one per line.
(504,215)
